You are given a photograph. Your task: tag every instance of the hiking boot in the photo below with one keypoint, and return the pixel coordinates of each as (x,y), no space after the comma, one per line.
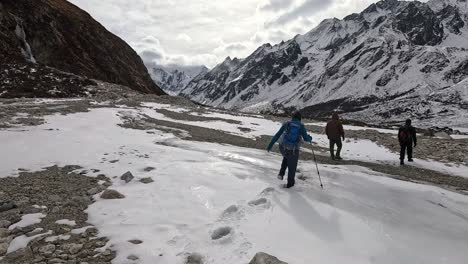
(410,160)
(402,163)
(338,158)
(280,177)
(286,186)
(332,157)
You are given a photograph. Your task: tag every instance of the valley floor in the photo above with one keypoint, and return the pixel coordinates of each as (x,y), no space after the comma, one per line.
(205,186)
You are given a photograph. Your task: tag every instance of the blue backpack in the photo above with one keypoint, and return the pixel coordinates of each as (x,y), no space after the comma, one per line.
(292,135)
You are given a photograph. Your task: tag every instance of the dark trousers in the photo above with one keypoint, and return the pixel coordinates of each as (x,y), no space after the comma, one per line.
(339,145)
(290,159)
(406,147)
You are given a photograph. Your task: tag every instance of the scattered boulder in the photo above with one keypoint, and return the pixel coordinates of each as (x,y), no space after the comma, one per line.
(112,194)
(47,249)
(73,248)
(132,257)
(194,258)
(147,180)
(148,169)
(6,206)
(3,248)
(93,191)
(127,177)
(263,258)
(3,232)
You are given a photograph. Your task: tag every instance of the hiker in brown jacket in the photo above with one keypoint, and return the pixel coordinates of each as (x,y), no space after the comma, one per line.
(335,133)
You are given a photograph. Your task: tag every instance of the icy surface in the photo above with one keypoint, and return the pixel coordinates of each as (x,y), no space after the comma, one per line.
(27,220)
(22,241)
(66,222)
(360,217)
(81,230)
(59,237)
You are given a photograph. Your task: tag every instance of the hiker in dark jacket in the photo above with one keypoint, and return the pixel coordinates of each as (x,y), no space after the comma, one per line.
(335,133)
(407,137)
(292,131)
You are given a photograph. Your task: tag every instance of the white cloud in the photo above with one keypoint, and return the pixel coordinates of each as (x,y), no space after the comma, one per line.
(184,37)
(206,31)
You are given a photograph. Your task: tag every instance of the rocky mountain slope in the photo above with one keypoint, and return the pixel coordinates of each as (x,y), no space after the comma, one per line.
(394,60)
(173,78)
(58,34)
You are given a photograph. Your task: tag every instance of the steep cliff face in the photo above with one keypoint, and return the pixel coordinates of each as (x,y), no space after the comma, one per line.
(391,61)
(58,34)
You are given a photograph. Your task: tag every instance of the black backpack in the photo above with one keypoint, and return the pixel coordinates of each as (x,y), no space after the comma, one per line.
(405,135)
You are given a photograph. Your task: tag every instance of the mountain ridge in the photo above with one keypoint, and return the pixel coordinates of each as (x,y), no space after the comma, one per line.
(58,34)
(394,53)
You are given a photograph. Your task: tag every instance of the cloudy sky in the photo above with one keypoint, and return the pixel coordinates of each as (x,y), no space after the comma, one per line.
(193,32)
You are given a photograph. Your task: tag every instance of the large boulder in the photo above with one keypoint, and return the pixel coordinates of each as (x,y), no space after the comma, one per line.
(263,258)
(112,194)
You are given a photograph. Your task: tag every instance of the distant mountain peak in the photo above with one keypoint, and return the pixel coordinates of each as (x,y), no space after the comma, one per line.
(388,61)
(173,78)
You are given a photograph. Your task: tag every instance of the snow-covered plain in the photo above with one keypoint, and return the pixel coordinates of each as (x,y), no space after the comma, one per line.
(360,216)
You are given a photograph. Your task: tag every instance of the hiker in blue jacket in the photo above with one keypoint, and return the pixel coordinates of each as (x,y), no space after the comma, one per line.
(290,145)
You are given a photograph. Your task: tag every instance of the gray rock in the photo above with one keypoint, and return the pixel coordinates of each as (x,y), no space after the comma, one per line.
(63,256)
(135,241)
(194,258)
(263,258)
(56,261)
(82,200)
(147,180)
(54,198)
(3,232)
(73,248)
(93,191)
(47,249)
(133,257)
(6,206)
(107,184)
(4,223)
(112,194)
(7,239)
(127,177)
(14,257)
(3,248)
(148,169)
(107,252)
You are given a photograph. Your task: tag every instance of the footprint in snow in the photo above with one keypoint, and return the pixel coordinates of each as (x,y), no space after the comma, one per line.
(222,233)
(231,212)
(268,191)
(258,202)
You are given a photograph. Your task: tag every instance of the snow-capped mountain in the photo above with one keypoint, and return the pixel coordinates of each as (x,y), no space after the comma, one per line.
(394,60)
(173,78)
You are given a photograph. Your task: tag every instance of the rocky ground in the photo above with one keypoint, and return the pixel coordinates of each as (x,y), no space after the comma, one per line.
(64,193)
(56,194)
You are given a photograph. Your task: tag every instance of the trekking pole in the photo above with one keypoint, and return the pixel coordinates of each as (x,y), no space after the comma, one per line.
(316,165)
